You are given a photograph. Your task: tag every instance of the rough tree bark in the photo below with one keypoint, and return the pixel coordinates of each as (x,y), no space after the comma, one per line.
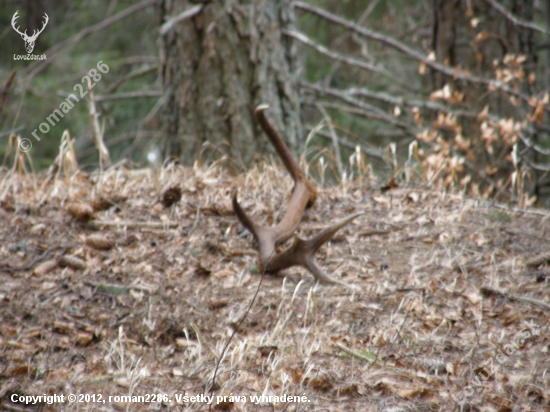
(216,67)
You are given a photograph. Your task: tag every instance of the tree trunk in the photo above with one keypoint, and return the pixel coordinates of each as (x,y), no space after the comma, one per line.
(216,67)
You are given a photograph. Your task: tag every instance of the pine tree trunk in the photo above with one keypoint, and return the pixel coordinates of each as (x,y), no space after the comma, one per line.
(217,66)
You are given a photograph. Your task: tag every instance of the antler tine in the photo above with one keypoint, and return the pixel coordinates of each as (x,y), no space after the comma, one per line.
(313,244)
(302,252)
(265,236)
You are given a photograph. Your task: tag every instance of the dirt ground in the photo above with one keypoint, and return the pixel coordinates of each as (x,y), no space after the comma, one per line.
(105,292)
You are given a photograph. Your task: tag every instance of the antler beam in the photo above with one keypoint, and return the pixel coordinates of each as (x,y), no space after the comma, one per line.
(302,252)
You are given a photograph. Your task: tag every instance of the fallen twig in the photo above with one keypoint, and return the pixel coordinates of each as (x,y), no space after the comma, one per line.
(373,233)
(523,299)
(538,260)
(132,223)
(5,268)
(196,223)
(366,358)
(111,289)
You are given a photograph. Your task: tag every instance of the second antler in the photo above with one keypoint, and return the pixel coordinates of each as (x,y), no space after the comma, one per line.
(302,252)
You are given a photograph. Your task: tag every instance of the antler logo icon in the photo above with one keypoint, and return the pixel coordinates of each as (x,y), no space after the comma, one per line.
(29,40)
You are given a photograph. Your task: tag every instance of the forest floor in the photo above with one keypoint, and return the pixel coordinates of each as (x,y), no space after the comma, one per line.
(449,307)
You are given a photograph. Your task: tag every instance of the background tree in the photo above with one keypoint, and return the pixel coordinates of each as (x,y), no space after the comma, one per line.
(217,64)
(483,38)
(456,85)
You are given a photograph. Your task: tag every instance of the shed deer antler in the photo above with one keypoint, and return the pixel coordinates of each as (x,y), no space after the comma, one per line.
(304,194)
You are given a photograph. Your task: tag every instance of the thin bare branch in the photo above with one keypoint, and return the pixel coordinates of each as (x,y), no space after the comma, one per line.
(515,20)
(374,111)
(187,14)
(377,154)
(530,146)
(130,76)
(536,166)
(129,95)
(104,157)
(323,50)
(370,34)
(334,137)
(345,59)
